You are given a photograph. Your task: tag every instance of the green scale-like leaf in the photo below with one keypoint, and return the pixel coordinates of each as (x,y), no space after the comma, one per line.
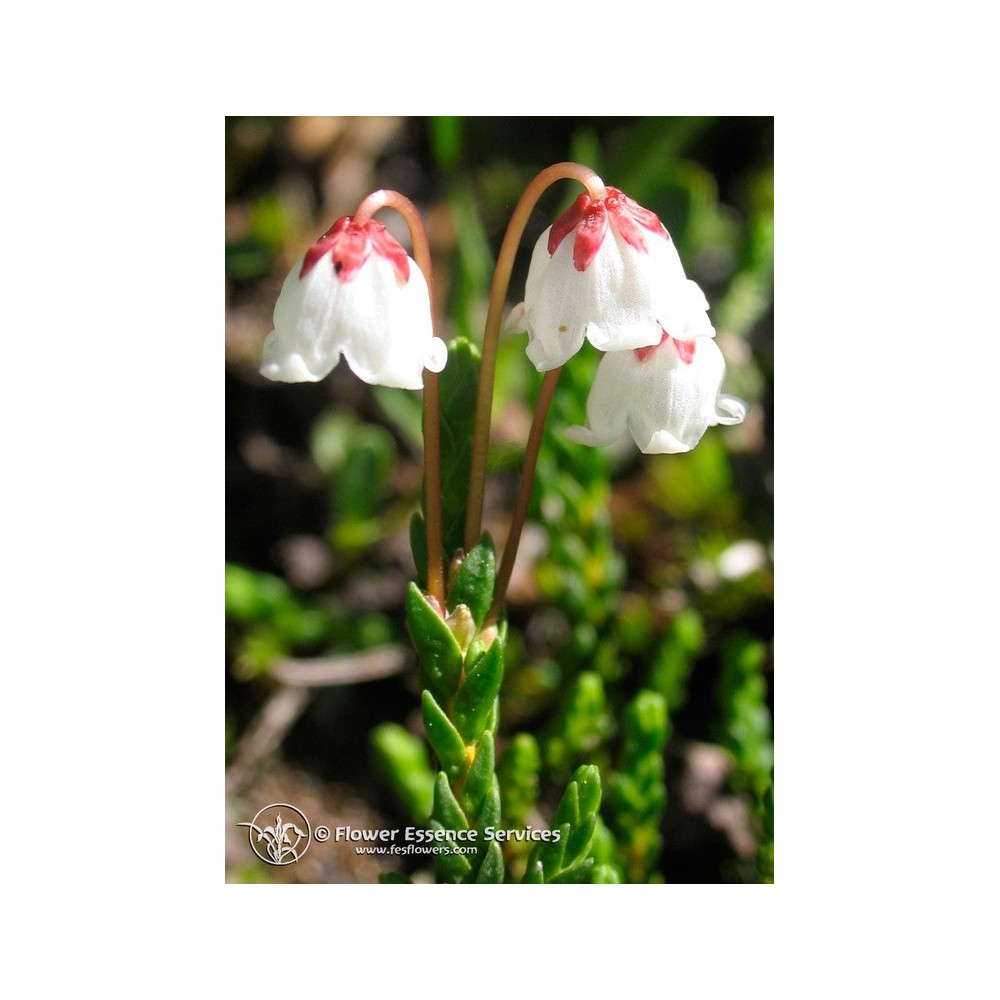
(444,738)
(447,811)
(475,699)
(567,860)
(438,650)
(474,580)
(588,783)
(579,839)
(492,869)
(569,807)
(487,815)
(451,868)
(575,874)
(605,875)
(489,810)
(477,781)
(535,874)
(448,815)
(552,853)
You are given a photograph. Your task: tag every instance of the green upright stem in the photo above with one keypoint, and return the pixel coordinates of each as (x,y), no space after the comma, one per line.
(432,406)
(491,336)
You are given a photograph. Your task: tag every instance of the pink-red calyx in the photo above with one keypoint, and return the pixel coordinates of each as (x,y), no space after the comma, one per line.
(350,244)
(685,349)
(590,218)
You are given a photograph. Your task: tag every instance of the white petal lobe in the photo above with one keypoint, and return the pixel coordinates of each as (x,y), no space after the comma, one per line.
(382,327)
(615,302)
(666,403)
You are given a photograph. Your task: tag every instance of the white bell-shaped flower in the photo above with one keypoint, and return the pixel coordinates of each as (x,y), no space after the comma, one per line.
(618,282)
(355,293)
(666,396)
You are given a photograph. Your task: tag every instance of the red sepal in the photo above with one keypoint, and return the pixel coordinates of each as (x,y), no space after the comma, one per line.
(630,218)
(590,235)
(567,222)
(590,220)
(643,216)
(685,350)
(643,353)
(350,244)
(387,247)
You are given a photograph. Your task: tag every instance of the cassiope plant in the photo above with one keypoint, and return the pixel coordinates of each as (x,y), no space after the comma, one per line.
(606,271)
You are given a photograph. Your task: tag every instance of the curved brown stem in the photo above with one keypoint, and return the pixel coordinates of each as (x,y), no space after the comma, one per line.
(432,406)
(524,488)
(498,294)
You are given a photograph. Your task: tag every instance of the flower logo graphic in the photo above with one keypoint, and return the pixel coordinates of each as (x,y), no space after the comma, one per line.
(279,834)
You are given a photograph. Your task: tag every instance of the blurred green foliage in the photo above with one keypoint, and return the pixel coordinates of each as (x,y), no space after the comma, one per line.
(265,621)
(745,724)
(670,669)
(358,459)
(519,778)
(637,794)
(581,726)
(402,761)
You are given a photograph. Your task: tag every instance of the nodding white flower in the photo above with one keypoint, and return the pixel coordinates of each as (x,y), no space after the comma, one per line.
(666,396)
(618,282)
(356,293)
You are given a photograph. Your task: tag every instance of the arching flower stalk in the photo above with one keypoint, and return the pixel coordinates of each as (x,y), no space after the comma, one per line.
(605,271)
(494,316)
(357,293)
